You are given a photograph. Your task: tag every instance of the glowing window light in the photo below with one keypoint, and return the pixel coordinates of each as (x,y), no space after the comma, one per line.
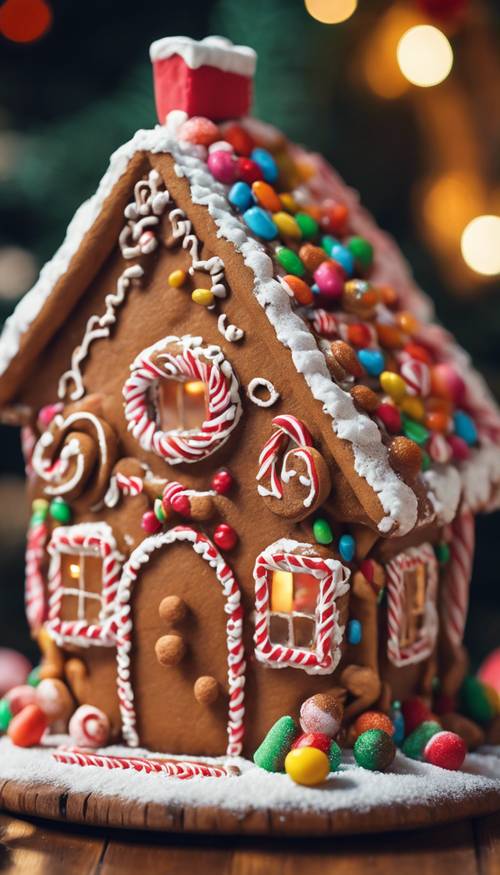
(282,591)
(331,11)
(425,56)
(74,571)
(480,245)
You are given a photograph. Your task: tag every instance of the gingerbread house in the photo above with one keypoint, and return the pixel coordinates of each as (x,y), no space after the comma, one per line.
(253,459)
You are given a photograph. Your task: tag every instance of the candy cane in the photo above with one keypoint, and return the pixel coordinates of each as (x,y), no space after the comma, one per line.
(417,377)
(325,324)
(34,594)
(129,485)
(455,590)
(396,605)
(182,769)
(289,428)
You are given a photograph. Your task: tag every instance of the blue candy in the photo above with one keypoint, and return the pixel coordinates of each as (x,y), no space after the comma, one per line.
(354,632)
(266,163)
(347,547)
(343,257)
(398,721)
(240,196)
(372,360)
(260,222)
(328,242)
(465,427)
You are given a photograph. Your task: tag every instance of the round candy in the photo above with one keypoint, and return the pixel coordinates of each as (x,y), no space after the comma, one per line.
(447,383)
(439,449)
(313,739)
(347,547)
(374,750)
(172,609)
(393,385)
(198,130)
(288,202)
(333,217)
(307,765)
(321,713)
(33,678)
(287,226)
(277,743)
(360,298)
(159,511)
(260,222)
(341,255)
(443,554)
(416,351)
(54,699)
(417,377)
(60,511)
(170,649)
(240,196)
(373,720)
(465,427)
(89,727)
(150,523)
(266,196)
(311,256)
(329,279)
(241,141)
(415,711)
(299,289)
(489,672)
(414,744)
(248,170)
(459,448)
(413,407)
(475,701)
(19,697)
(415,431)
(222,166)
(358,334)
(27,727)
(225,537)
(14,668)
(222,481)
(362,251)
(390,416)
(322,531)
(446,750)
(290,261)
(372,360)
(206,690)
(266,163)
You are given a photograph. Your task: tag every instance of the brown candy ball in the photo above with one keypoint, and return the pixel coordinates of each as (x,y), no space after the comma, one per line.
(346,357)
(405,456)
(206,690)
(170,649)
(365,398)
(172,609)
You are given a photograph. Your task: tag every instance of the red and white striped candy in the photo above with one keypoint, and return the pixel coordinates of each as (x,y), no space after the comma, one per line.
(417,377)
(89,726)
(439,449)
(182,769)
(288,428)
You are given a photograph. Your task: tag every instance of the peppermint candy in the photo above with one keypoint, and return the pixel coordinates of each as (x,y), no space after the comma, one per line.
(417,377)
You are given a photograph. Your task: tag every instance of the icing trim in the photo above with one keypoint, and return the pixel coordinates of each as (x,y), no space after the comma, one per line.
(424,644)
(216,51)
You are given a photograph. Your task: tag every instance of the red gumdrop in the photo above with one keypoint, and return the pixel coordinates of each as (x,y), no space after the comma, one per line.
(446,750)
(240,139)
(27,727)
(180,504)
(313,739)
(459,448)
(150,523)
(415,711)
(248,171)
(390,416)
(225,537)
(222,481)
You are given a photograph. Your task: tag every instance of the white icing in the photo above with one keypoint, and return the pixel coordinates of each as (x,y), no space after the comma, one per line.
(229,332)
(261,383)
(216,51)
(444,488)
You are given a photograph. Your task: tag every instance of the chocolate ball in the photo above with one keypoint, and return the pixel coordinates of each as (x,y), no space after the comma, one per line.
(170,649)
(206,690)
(172,609)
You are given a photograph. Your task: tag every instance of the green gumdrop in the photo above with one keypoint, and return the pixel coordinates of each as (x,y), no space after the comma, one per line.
(413,746)
(34,678)
(277,743)
(415,431)
(361,250)
(5,715)
(60,511)
(335,756)
(374,750)
(474,700)
(322,531)
(442,552)
(290,261)
(307,225)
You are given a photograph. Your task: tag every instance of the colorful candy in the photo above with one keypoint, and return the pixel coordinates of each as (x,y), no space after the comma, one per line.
(287,226)
(321,713)
(260,222)
(373,720)
(413,407)
(465,427)
(398,723)
(150,523)
(89,727)
(270,755)
(5,715)
(354,632)
(20,696)
(329,279)
(28,726)
(222,481)
(459,448)
(311,256)
(204,297)
(60,511)
(347,547)
(307,766)
(447,383)
(14,668)
(333,217)
(414,744)
(222,166)
(362,251)
(417,377)
(309,227)
(322,531)
(199,130)
(341,255)
(267,164)
(415,431)
(241,141)
(393,385)
(415,711)
(374,750)
(476,701)
(358,334)
(372,360)
(225,537)
(54,699)
(360,298)
(290,261)
(248,170)
(177,278)
(390,416)
(446,750)
(240,196)
(299,289)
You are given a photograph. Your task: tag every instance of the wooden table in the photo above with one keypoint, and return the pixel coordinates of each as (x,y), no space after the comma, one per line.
(46,848)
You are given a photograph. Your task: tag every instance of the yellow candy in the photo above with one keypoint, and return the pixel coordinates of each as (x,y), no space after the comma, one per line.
(414,408)
(393,384)
(307,765)
(287,226)
(288,202)
(177,278)
(493,697)
(203,296)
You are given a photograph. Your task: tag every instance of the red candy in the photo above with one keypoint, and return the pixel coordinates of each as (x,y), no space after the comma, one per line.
(14,669)
(248,170)
(416,351)
(359,334)
(447,383)
(150,523)
(180,504)
(334,218)
(459,448)
(27,727)
(240,139)
(313,739)
(390,416)
(222,482)
(446,750)
(199,130)
(225,537)
(415,711)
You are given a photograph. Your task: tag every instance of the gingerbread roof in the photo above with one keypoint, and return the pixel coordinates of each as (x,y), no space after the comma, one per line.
(454,469)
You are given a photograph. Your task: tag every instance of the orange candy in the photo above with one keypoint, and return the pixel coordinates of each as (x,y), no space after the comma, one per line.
(301,291)
(418,352)
(389,336)
(241,141)
(437,420)
(28,726)
(312,256)
(408,322)
(389,295)
(266,196)
(373,720)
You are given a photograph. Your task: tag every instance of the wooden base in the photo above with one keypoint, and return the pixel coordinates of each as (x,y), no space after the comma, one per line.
(43,801)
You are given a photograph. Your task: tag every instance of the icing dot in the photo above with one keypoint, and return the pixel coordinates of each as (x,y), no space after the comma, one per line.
(257,385)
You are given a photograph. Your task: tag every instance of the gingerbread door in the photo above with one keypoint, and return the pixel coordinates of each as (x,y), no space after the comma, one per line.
(180,653)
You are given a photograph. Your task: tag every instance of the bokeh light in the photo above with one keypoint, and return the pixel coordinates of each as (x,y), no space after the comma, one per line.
(331,11)
(24,21)
(425,56)
(480,245)
(379,61)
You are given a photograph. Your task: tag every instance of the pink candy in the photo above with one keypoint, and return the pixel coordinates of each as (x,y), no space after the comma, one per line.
(459,448)
(46,414)
(329,279)
(447,383)
(89,727)
(222,166)
(390,416)
(199,130)
(14,669)
(19,697)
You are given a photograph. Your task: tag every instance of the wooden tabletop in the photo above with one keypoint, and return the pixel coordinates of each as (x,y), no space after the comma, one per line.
(44,848)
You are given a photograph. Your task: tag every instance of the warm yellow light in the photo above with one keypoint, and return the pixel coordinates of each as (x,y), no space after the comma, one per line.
(331,11)
(74,571)
(480,245)
(282,591)
(194,387)
(425,56)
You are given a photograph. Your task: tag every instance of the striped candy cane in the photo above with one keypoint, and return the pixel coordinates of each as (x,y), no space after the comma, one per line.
(34,594)
(455,589)
(182,769)
(423,645)
(288,428)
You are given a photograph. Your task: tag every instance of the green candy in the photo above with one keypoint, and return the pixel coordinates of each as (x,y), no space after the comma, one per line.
(414,745)
(442,552)
(5,715)
(426,461)
(328,242)
(60,511)
(277,743)
(335,756)
(415,431)
(322,531)
(374,750)
(290,261)
(34,678)
(159,512)
(361,250)
(307,225)
(475,702)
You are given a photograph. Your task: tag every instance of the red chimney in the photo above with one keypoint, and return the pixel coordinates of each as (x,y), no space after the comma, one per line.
(212,78)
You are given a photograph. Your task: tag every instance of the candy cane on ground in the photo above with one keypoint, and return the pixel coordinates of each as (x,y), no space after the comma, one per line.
(457,576)
(332,577)
(424,643)
(34,594)
(122,630)
(182,769)
(288,428)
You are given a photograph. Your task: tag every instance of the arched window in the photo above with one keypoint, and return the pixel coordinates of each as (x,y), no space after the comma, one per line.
(412,579)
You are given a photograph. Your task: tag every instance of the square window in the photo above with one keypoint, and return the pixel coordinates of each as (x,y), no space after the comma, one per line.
(412,579)
(81,577)
(182,405)
(304,630)
(279,629)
